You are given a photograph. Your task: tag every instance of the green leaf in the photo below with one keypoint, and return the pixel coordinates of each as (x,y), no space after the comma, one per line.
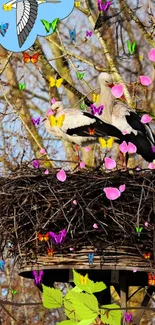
(90,287)
(111,317)
(69,309)
(84,305)
(52,298)
(86,322)
(76,289)
(68,322)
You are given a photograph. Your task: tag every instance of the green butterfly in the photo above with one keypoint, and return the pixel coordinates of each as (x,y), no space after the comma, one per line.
(138,230)
(52,25)
(82,106)
(80,75)
(14,291)
(21,86)
(131,47)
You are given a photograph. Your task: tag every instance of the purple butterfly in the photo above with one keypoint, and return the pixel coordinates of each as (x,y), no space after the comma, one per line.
(128,317)
(38,275)
(60,238)
(89,33)
(103,6)
(35,122)
(36,163)
(96,110)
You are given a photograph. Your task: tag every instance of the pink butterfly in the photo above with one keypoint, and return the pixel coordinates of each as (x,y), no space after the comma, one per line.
(128,317)
(35,121)
(96,110)
(60,238)
(103,6)
(89,33)
(38,275)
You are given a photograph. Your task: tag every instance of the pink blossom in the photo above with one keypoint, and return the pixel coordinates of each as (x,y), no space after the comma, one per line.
(71,248)
(43,151)
(123,147)
(53,100)
(61,176)
(82,164)
(117,90)
(46,172)
(145,81)
(110,163)
(151,55)
(146,224)
(95,226)
(122,188)
(135,270)
(87,149)
(50,112)
(36,163)
(112,193)
(75,202)
(146,118)
(151,166)
(131,148)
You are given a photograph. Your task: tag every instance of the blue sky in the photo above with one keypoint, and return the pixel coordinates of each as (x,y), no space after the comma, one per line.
(46,11)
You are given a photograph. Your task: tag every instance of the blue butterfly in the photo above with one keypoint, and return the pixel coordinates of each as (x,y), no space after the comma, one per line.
(72,34)
(91,258)
(3,29)
(2,263)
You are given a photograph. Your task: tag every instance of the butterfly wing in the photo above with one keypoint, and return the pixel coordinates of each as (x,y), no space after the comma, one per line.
(54,24)
(53,121)
(46,236)
(40,276)
(40,237)
(35,275)
(34,58)
(26,57)
(46,24)
(110,143)
(133,47)
(62,235)
(102,142)
(86,279)
(52,81)
(3,29)
(60,120)
(59,82)
(93,109)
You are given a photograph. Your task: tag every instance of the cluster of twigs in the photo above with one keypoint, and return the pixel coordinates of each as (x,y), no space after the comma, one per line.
(32,202)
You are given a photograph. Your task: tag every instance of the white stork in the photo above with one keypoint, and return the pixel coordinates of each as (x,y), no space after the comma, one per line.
(26,15)
(77,126)
(126,120)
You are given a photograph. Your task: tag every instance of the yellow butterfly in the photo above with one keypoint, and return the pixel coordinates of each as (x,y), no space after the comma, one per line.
(7,7)
(53,82)
(83,279)
(106,143)
(77,4)
(56,121)
(96,98)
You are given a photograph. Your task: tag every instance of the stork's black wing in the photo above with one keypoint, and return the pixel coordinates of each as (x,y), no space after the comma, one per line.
(134,121)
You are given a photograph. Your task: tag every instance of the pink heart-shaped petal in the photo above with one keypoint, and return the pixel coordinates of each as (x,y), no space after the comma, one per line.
(122,188)
(146,118)
(151,166)
(53,100)
(138,168)
(123,147)
(146,224)
(135,270)
(124,132)
(46,172)
(95,226)
(117,90)
(71,248)
(112,193)
(43,151)
(61,176)
(75,202)
(110,163)
(145,81)
(151,55)
(82,164)
(50,112)
(131,148)
(87,149)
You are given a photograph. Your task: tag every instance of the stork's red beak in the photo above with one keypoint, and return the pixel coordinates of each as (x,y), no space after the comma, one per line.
(111,85)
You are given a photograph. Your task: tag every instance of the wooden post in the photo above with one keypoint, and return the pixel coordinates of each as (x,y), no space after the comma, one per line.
(123,291)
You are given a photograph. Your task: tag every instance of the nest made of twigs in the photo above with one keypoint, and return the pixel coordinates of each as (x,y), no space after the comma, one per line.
(32,202)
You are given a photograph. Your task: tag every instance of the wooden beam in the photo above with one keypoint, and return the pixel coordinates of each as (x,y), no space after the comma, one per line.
(138,317)
(123,291)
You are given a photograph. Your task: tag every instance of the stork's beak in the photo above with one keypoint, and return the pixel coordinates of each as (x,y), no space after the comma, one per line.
(111,85)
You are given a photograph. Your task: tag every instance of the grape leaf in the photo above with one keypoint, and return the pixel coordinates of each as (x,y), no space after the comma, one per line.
(68,322)
(112,317)
(52,298)
(84,305)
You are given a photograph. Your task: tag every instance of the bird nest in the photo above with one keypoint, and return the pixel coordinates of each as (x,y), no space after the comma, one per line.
(32,202)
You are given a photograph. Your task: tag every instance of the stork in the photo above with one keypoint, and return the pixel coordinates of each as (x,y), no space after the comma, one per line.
(126,120)
(77,126)
(26,15)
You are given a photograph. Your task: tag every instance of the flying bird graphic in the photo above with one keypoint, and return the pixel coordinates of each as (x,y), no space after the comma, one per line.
(26,15)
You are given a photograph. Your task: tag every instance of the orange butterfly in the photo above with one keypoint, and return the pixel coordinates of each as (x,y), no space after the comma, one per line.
(28,58)
(50,251)
(91,131)
(43,237)
(151,279)
(147,256)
